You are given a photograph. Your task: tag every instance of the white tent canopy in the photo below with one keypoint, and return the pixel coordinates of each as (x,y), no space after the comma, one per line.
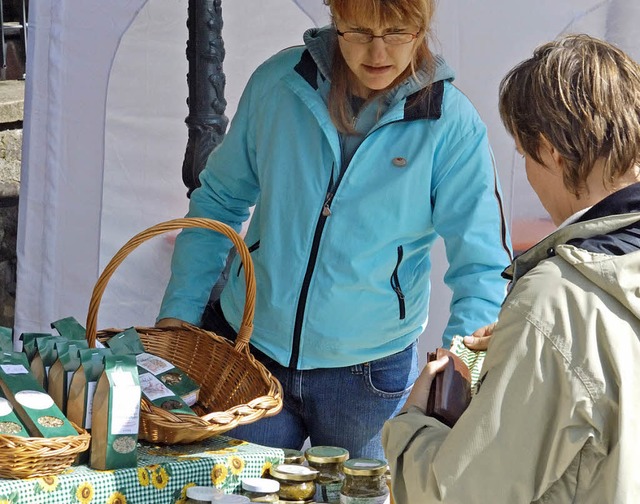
(104,132)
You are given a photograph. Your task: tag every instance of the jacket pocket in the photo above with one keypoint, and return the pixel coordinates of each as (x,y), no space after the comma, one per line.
(395,284)
(253,247)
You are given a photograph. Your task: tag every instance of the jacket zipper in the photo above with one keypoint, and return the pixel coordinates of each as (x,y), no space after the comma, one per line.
(395,284)
(313,257)
(326,212)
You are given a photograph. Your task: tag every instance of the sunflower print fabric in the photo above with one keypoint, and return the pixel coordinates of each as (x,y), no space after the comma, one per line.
(162,476)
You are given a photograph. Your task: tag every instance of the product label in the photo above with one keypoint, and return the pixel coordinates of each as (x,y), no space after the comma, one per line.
(153,388)
(125,413)
(14,369)
(190,399)
(34,399)
(153,363)
(91,389)
(5,407)
(381,499)
(328,492)
(69,376)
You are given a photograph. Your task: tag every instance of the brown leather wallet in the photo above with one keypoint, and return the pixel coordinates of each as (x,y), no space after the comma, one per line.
(450,391)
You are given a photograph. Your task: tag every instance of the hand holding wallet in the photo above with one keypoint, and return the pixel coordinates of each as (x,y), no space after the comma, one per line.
(450,391)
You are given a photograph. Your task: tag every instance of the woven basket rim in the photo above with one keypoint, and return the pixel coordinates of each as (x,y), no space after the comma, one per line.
(182,428)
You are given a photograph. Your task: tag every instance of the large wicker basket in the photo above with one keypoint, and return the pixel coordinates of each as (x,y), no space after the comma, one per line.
(35,457)
(235,388)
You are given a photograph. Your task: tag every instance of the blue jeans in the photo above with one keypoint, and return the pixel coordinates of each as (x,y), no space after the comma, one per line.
(343,407)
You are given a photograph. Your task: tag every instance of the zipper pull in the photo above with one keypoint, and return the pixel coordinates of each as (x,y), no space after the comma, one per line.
(326,211)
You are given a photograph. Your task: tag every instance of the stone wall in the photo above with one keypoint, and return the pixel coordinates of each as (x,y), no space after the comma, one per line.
(11,115)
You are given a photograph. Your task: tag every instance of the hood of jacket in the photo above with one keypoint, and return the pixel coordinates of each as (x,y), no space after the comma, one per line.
(321,42)
(615,274)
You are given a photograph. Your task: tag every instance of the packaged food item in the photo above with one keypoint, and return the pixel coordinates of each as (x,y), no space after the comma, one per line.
(365,482)
(29,343)
(261,489)
(293,456)
(297,482)
(83,385)
(327,460)
(165,385)
(61,372)
(70,328)
(202,494)
(10,424)
(6,339)
(32,404)
(43,358)
(116,414)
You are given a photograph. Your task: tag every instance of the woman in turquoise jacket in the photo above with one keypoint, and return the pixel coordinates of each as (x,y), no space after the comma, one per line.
(357,152)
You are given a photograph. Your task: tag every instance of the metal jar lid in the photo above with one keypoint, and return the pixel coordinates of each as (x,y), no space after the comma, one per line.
(293,456)
(364,467)
(326,454)
(293,472)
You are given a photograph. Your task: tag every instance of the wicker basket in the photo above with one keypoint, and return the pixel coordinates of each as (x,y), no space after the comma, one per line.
(35,457)
(235,389)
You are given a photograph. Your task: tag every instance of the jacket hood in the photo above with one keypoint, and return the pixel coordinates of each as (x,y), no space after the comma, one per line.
(615,274)
(321,43)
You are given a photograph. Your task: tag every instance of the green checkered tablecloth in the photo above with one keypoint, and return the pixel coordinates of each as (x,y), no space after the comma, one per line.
(162,476)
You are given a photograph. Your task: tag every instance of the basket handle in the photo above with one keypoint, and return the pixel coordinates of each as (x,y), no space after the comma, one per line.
(246,325)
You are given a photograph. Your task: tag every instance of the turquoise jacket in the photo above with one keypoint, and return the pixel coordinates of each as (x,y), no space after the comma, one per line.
(341,253)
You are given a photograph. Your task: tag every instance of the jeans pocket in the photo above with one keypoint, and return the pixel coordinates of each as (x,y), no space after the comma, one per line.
(392,376)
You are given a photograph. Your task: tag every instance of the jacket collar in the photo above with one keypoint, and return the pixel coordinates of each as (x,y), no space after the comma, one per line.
(546,248)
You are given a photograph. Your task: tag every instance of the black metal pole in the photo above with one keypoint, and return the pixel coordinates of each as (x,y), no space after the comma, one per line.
(206,80)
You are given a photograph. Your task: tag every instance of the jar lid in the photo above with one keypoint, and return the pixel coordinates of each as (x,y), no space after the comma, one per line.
(293,456)
(326,454)
(293,472)
(261,485)
(230,499)
(364,467)
(202,492)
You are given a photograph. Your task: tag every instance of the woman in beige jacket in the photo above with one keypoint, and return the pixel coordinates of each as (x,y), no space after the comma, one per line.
(556,418)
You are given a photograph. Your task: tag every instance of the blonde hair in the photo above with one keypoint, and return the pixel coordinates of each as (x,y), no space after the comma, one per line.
(583,95)
(375,12)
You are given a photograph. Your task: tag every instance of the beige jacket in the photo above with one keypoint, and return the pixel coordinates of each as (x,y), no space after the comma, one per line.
(557,415)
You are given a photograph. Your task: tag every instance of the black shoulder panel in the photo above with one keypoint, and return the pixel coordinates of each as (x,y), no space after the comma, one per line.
(426,103)
(308,69)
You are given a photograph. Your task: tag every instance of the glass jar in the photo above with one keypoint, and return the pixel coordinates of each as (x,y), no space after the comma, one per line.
(297,482)
(327,460)
(230,499)
(261,489)
(365,482)
(201,494)
(293,456)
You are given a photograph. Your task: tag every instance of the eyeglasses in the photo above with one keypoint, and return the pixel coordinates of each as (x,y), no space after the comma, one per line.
(357,37)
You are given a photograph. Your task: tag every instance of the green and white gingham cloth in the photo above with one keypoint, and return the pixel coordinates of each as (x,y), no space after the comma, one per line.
(472,358)
(162,476)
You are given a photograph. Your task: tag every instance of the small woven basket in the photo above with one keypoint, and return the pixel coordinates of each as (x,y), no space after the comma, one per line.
(35,457)
(235,388)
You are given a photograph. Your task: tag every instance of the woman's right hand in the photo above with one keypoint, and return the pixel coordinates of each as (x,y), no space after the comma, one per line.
(169,322)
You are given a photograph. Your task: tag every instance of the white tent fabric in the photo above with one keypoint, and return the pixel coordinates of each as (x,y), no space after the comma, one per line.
(104,131)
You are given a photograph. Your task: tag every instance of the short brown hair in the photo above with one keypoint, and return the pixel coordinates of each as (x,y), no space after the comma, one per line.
(583,95)
(418,12)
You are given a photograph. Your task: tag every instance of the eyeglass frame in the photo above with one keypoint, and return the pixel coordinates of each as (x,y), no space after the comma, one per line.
(371,36)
